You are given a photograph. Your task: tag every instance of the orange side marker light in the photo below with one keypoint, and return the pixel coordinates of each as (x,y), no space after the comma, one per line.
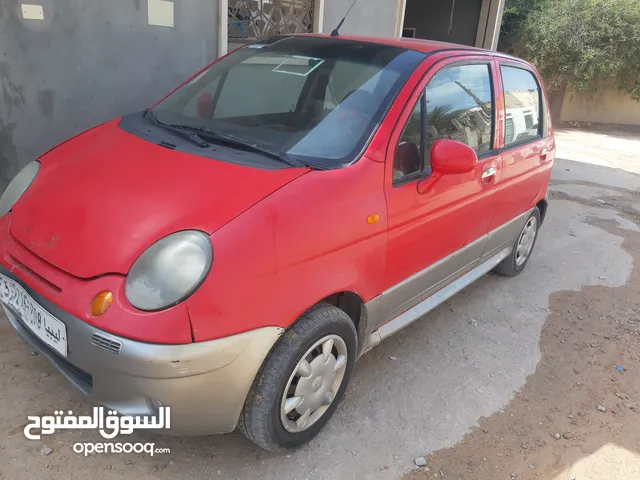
(101,303)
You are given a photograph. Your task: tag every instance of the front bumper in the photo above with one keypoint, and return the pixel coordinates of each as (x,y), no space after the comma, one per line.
(204,383)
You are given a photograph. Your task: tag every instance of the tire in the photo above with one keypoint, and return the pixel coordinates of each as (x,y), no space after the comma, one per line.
(263,416)
(513,264)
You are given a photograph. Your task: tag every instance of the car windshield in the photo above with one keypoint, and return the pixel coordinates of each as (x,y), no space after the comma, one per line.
(314,99)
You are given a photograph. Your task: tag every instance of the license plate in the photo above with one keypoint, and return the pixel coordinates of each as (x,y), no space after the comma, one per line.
(43,325)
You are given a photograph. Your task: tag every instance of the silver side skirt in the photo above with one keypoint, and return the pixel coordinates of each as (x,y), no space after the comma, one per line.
(436,299)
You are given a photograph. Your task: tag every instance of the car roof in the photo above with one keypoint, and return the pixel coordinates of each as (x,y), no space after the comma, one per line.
(417,44)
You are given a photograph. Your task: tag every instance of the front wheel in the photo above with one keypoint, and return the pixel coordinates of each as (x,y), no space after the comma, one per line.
(301,383)
(515,263)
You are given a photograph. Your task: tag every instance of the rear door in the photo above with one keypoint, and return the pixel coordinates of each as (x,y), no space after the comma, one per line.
(526,148)
(438,235)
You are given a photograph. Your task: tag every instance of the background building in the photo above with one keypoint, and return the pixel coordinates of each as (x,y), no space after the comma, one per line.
(66,65)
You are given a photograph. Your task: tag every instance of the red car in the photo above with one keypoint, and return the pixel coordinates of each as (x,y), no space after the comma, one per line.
(233,250)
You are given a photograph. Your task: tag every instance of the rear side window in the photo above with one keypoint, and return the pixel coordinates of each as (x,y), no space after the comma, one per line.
(522,102)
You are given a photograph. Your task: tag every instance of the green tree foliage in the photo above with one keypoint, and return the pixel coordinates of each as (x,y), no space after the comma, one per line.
(583,45)
(516,13)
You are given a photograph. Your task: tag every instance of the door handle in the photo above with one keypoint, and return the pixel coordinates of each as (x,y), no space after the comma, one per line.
(543,154)
(489,173)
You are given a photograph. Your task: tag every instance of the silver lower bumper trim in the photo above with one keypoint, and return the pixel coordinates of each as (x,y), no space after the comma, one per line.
(204,383)
(422,308)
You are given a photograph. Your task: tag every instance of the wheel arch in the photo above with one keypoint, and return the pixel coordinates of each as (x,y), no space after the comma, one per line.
(352,304)
(542,206)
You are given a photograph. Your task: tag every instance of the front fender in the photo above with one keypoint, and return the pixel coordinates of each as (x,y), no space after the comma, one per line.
(302,243)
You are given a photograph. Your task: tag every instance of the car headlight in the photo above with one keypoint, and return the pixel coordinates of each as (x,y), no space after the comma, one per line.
(18,186)
(169,271)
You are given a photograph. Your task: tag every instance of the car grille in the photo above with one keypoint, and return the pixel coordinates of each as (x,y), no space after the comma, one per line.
(108,344)
(79,375)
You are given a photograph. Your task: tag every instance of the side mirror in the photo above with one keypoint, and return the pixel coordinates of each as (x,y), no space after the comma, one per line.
(450,157)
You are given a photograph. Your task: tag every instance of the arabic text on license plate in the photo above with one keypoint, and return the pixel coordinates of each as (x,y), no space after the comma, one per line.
(43,325)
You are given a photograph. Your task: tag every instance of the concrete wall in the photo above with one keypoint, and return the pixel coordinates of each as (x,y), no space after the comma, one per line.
(604,107)
(86,62)
(368,17)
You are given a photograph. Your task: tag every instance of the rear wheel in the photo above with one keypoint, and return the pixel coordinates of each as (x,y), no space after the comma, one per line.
(303,380)
(515,263)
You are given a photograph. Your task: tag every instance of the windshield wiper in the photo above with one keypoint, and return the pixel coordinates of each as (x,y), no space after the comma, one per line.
(234,141)
(195,134)
(184,132)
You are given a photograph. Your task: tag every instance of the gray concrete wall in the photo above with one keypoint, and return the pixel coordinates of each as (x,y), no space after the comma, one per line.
(368,17)
(86,62)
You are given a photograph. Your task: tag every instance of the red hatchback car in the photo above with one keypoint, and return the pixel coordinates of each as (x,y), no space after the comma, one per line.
(233,250)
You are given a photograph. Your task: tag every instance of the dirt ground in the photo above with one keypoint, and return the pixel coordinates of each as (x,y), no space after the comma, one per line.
(578,415)
(553,425)
(481,388)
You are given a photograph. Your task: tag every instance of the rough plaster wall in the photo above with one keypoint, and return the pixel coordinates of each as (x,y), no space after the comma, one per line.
(606,106)
(89,61)
(368,17)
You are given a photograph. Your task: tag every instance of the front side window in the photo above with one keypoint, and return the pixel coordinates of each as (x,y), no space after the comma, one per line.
(457,104)
(408,156)
(314,99)
(522,105)
(460,107)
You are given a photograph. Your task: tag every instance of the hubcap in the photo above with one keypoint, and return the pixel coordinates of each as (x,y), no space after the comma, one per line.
(314,384)
(525,243)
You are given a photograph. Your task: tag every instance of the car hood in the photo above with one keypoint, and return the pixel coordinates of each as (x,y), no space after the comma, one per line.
(101,198)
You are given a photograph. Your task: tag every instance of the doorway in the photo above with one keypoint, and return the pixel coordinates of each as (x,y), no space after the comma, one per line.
(454,21)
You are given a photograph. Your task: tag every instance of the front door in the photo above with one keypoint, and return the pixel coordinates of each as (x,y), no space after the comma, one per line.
(437,235)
